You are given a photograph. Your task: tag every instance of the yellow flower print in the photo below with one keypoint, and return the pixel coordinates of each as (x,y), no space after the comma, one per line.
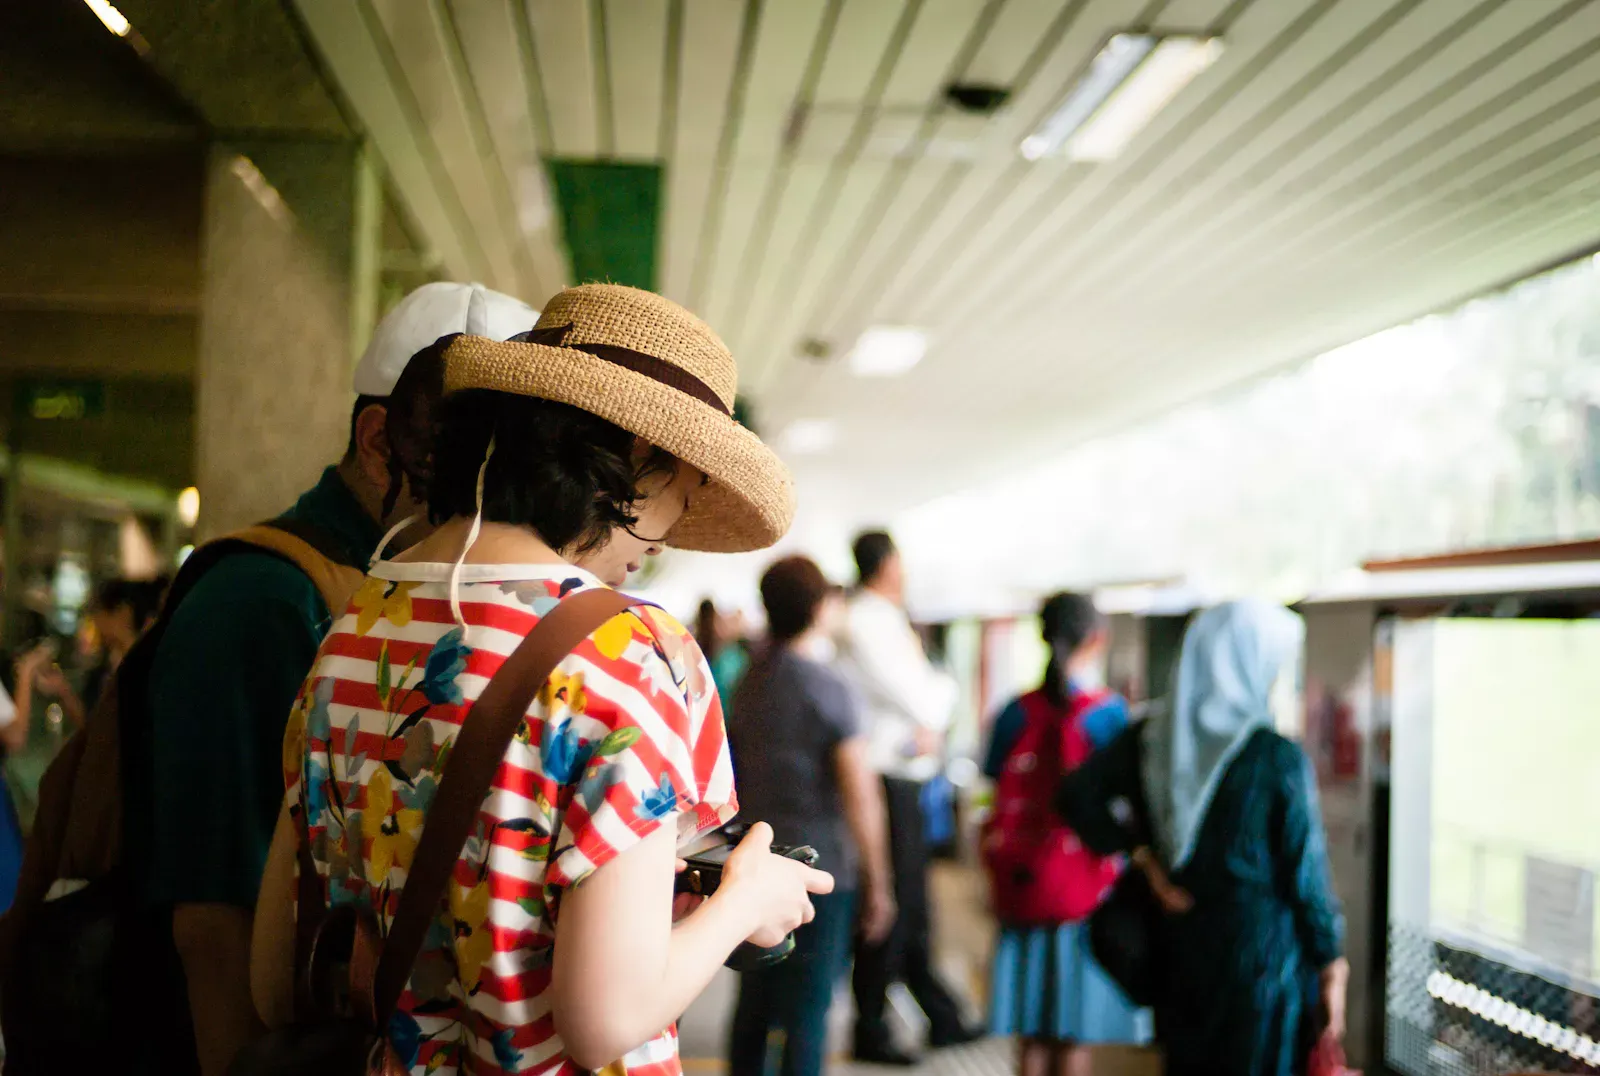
(612,637)
(381,598)
(474,943)
(393,832)
(563,688)
(294,741)
(681,651)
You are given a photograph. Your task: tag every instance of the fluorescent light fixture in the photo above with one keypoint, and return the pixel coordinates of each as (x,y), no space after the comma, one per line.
(1130,79)
(888,351)
(808,436)
(115,21)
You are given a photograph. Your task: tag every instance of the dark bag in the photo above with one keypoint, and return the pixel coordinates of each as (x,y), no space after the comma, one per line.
(78,947)
(1103,801)
(350,974)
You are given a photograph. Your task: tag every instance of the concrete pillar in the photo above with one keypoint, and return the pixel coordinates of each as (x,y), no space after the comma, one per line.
(289,278)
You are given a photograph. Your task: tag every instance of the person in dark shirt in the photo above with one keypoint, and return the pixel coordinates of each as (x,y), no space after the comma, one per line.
(800,762)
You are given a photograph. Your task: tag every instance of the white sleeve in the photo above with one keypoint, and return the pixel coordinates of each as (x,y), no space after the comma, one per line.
(894,671)
(8,709)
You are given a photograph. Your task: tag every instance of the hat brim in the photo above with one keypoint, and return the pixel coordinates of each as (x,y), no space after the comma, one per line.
(748,502)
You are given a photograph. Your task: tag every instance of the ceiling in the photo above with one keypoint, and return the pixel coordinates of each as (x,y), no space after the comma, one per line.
(1345,166)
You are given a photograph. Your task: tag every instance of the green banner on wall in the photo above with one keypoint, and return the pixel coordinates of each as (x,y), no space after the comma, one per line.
(610,214)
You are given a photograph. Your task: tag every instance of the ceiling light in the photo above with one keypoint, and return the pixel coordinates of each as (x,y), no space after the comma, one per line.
(808,436)
(115,21)
(1127,83)
(1167,70)
(888,351)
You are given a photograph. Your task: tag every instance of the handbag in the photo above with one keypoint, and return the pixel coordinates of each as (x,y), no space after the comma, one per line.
(350,974)
(1126,935)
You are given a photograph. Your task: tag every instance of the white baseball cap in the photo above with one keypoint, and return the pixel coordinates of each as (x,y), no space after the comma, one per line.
(430,312)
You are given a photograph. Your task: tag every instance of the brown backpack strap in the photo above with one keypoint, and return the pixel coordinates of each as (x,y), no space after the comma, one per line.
(335,580)
(475,757)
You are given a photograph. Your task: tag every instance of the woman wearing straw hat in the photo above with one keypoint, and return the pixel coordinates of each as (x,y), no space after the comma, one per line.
(563,458)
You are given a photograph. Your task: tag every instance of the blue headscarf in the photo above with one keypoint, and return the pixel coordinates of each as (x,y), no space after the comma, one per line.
(1232,656)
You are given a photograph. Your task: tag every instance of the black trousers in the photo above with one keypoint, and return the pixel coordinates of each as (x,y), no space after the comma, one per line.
(905,955)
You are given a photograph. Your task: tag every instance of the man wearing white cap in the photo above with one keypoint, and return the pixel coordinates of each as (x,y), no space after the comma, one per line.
(230,659)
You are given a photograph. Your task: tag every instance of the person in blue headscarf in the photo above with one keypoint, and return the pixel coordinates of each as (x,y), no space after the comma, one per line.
(1255,973)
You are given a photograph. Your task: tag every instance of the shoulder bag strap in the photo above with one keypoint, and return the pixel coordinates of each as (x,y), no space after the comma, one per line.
(475,758)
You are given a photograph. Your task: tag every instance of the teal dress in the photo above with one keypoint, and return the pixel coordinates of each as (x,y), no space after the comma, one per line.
(1241,991)
(727,669)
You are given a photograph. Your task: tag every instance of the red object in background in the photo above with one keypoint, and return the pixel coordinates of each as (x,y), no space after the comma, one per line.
(1327,1059)
(1346,742)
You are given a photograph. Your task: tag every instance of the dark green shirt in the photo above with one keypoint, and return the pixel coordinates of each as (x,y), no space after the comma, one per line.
(222,682)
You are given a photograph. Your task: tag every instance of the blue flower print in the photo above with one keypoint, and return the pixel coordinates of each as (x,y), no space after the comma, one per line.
(405,1035)
(316,782)
(562,755)
(419,797)
(660,801)
(506,1054)
(319,726)
(593,788)
(446,661)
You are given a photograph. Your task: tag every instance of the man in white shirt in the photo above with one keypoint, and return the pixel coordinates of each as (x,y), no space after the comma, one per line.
(906,706)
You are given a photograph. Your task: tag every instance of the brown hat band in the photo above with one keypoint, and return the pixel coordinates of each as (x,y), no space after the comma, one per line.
(658,370)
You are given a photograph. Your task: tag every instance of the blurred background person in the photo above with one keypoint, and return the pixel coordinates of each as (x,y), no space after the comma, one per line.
(800,763)
(1255,972)
(721,639)
(1046,987)
(121,609)
(907,705)
(48,710)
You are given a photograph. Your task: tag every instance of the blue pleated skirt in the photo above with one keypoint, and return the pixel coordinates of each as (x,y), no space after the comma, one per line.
(1046,984)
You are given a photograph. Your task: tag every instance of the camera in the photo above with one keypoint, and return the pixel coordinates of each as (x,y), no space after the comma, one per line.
(704,874)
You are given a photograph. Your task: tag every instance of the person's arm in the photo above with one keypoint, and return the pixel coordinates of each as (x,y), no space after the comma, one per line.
(18,712)
(1302,850)
(895,671)
(53,682)
(222,684)
(272,939)
(867,819)
(1003,733)
(623,972)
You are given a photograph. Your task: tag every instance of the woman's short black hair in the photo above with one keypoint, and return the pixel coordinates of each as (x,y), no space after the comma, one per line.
(569,475)
(1067,620)
(793,590)
(871,550)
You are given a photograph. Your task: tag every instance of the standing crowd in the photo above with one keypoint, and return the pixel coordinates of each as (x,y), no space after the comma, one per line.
(397,782)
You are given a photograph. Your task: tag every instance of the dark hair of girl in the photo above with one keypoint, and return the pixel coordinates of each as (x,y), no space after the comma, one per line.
(793,590)
(1066,621)
(569,475)
(705,628)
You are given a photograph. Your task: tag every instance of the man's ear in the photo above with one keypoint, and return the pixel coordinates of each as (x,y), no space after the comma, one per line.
(372,444)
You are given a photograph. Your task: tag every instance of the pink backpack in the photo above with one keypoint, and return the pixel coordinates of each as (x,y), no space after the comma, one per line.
(1040,874)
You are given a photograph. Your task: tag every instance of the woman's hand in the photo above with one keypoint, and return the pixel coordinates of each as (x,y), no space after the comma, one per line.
(774,892)
(684,904)
(1174,899)
(878,911)
(1333,980)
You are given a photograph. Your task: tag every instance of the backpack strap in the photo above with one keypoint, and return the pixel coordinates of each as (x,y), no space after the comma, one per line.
(314,552)
(475,758)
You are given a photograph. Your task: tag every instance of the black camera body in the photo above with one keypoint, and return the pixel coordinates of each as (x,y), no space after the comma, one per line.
(703,876)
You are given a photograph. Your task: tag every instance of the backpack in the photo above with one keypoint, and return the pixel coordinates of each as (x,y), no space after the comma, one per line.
(1040,874)
(77,944)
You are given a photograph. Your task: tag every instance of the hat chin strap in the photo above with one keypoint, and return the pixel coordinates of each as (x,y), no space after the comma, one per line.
(394,532)
(472,537)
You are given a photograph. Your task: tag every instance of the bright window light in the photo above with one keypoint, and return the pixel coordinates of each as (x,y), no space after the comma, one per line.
(808,436)
(115,21)
(1172,66)
(189,506)
(888,351)
(1109,69)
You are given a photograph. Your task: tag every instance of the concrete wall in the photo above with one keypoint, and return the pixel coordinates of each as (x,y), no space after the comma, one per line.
(273,394)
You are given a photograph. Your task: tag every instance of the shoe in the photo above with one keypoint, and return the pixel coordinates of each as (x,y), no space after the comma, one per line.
(879,1050)
(960,1035)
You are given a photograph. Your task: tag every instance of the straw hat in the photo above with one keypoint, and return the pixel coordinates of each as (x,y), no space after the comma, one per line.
(650,366)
